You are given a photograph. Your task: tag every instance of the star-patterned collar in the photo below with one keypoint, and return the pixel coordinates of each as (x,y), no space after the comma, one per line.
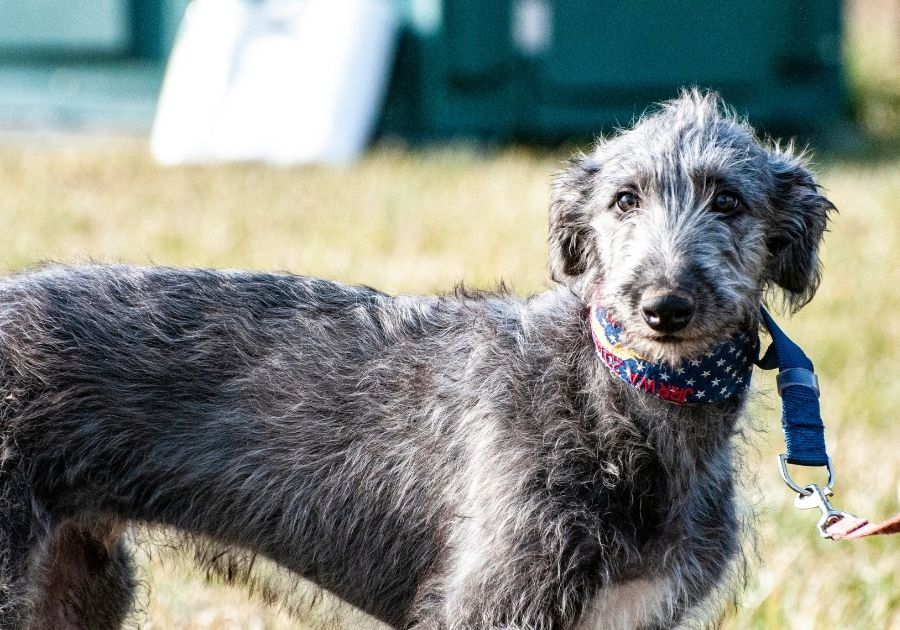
(721,373)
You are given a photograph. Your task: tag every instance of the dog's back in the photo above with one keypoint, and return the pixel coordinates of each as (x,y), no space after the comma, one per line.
(316,423)
(238,406)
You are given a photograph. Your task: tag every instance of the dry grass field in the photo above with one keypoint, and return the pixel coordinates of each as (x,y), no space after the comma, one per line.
(420,222)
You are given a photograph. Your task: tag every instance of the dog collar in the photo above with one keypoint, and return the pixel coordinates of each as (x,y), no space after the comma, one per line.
(718,375)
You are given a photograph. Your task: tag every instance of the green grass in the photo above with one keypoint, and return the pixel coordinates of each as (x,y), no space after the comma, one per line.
(420,222)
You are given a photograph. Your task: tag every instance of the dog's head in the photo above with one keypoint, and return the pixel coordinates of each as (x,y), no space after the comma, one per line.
(679,226)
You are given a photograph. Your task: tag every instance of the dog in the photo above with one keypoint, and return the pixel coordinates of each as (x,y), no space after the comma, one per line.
(462,461)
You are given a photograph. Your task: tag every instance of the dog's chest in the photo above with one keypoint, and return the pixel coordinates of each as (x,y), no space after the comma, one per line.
(634,604)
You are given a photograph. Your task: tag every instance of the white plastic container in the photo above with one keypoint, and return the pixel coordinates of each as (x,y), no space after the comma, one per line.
(281,81)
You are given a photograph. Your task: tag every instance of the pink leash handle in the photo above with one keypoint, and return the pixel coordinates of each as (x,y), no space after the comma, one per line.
(852,528)
(834,523)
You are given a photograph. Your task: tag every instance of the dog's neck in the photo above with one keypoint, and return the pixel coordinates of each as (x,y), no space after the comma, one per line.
(722,373)
(691,444)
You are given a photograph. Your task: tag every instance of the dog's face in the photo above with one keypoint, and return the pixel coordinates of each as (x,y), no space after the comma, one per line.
(679,225)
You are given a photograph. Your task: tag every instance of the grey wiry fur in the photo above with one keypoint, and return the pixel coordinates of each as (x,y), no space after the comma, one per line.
(461,461)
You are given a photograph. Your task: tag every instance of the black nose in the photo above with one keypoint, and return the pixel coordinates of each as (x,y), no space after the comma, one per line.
(667,312)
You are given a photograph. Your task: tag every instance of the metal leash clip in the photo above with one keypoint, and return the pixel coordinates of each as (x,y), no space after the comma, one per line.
(818,498)
(814,496)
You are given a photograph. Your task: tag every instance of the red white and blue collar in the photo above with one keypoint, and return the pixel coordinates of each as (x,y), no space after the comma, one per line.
(718,375)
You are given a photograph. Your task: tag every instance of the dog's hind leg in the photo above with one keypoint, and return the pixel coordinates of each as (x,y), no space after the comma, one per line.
(21,536)
(85,579)
(66,577)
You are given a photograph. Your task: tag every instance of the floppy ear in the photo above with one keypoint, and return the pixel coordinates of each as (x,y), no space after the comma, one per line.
(571,248)
(800,218)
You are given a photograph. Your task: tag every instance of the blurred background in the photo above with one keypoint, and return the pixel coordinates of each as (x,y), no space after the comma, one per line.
(499,70)
(410,145)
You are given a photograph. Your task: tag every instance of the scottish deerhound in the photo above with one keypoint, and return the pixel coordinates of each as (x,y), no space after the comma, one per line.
(472,460)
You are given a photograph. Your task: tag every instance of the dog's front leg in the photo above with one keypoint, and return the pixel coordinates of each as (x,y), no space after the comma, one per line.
(496,577)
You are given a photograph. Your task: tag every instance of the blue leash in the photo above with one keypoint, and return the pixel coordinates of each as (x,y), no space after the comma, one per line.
(804,431)
(804,434)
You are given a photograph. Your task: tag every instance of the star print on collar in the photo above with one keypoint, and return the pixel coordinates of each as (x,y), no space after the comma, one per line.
(720,374)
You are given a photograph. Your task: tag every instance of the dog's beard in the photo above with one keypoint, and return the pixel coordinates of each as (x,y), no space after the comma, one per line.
(690,343)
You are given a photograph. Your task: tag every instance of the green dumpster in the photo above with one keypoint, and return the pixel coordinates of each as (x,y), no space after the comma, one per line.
(547,70)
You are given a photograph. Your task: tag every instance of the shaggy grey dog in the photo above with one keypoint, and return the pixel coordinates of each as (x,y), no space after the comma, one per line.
(449,462)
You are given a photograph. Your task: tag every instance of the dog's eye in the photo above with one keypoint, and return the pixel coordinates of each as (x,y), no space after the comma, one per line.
(626,201)
(725,202)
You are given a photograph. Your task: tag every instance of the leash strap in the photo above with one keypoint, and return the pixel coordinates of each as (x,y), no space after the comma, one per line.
(804,435)
(804,432)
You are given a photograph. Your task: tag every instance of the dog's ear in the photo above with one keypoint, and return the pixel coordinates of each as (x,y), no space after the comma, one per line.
(799,221)
(571,246)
